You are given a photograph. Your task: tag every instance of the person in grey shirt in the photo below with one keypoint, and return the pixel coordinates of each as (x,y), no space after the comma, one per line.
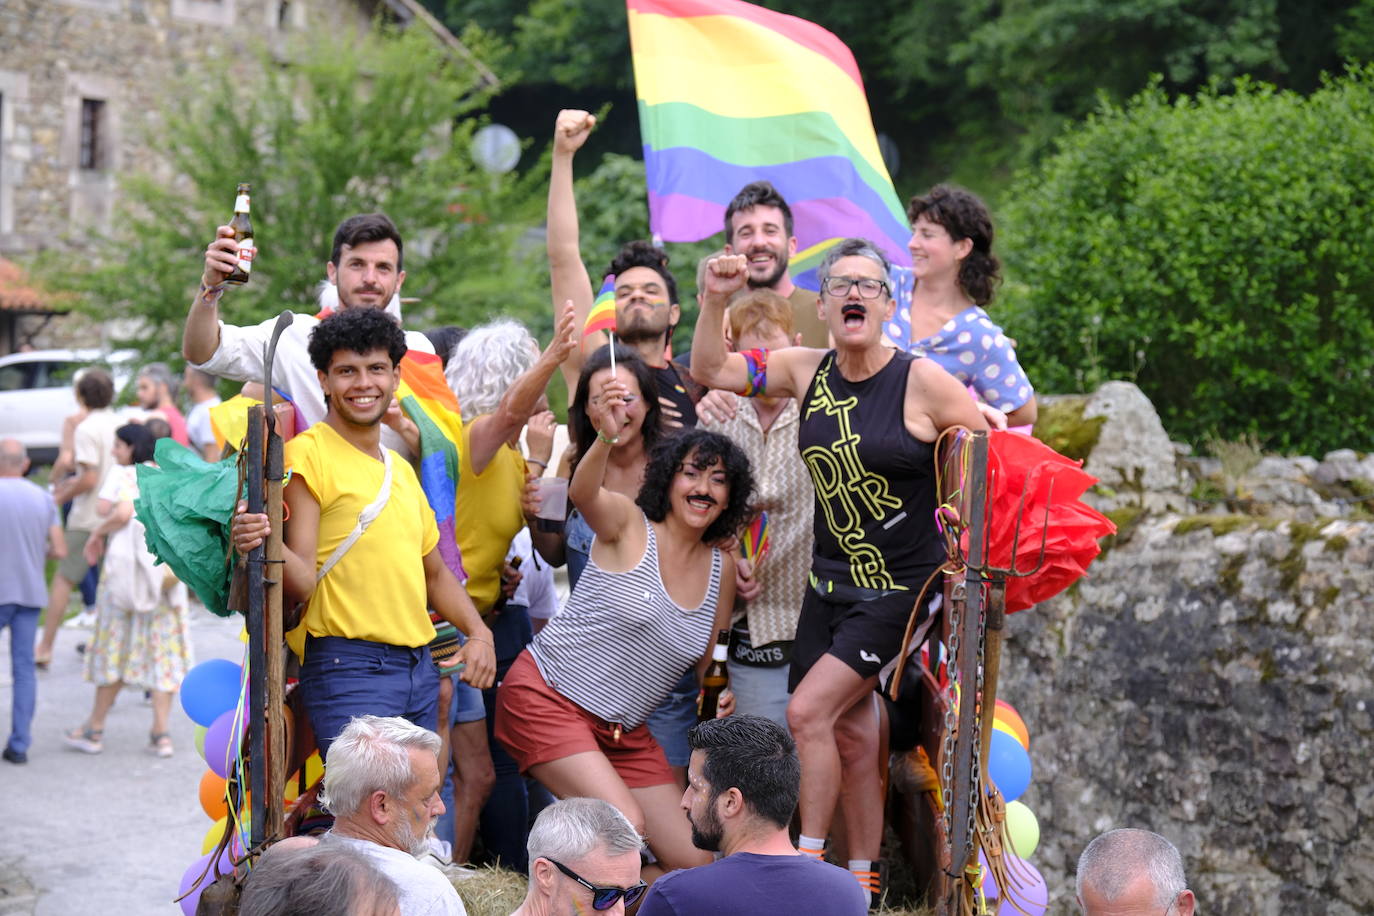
(31,533)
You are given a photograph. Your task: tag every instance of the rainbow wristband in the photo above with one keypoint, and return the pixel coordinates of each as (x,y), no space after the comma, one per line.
(757,362)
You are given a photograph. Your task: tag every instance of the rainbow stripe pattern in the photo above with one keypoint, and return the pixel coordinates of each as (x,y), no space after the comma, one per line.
(753,541)
(602,315)
(730,93)
(431,405)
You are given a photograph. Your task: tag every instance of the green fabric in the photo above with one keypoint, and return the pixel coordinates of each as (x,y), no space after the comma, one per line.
(185,505)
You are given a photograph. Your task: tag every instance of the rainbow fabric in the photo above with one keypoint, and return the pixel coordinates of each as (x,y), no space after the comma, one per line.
(431,405)
(753,542)
(602,315)
(730,93)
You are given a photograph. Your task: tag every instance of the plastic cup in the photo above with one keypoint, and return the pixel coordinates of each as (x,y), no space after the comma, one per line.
(553,503)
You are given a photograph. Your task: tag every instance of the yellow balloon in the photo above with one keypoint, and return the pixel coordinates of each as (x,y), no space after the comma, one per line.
(314,768)
(1023,830)
(1003,726)
(214,835)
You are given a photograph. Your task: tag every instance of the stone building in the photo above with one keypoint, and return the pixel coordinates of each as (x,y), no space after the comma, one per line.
(80,79)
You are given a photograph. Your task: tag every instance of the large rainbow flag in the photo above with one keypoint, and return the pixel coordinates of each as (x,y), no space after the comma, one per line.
(730,93)
(431,405)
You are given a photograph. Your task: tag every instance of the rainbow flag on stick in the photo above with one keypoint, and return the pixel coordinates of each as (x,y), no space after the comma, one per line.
(431,405)
(602,315)
(730,93)
(753,541)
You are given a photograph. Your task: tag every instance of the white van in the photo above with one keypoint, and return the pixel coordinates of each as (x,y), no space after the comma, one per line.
(36,394)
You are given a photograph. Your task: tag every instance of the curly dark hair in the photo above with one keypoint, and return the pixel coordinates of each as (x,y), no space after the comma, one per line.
(704,449)
(757,194)
(366,227)
(640,253)
(964,216)
(140,440)
(95,389)
(580,428)
(360,330)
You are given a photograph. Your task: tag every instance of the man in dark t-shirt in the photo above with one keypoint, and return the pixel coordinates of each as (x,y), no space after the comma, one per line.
(742,787)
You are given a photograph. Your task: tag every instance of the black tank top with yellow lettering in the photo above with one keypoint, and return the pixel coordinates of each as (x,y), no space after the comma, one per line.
(874,481)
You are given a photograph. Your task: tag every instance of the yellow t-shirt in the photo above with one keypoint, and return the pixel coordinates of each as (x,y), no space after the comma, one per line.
(377,590)
(487,517)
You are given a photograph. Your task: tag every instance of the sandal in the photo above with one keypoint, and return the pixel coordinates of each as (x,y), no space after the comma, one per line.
(85,739)
(160,743)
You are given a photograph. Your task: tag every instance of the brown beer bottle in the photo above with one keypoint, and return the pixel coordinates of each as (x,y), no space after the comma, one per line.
(714,680)
(243,235)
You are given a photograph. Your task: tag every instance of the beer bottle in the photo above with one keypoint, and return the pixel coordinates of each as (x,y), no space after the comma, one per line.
(714,680)
(243,235)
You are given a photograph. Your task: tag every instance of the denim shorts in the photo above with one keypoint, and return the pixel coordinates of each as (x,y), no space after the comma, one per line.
(578,545)
(467,703)
(342,678)
(674,717)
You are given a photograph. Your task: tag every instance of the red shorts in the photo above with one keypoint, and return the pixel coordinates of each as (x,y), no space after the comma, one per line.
(536,724)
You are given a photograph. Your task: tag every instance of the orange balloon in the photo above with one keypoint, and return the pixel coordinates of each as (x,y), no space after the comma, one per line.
(1004,715)
(212,800)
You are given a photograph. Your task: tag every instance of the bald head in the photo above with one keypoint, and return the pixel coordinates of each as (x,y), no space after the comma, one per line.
(1127,871)
(14,458)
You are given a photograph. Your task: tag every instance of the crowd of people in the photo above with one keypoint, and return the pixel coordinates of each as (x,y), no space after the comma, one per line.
(443,682)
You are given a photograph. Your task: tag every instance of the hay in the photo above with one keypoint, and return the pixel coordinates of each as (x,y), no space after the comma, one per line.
(489,891)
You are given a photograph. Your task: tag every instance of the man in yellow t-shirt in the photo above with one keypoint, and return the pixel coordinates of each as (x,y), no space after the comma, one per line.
(366,629)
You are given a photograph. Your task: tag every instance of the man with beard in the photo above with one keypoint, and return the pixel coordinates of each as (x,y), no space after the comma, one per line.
(365,265)
(758,225)
(381,783)
(156,393)
(646,297)
(742,787)
(361,548)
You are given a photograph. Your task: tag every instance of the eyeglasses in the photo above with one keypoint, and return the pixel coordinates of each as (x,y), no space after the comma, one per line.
(603,898)
(868,287)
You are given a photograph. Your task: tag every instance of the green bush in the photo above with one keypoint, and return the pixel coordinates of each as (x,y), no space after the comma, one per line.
(1217,250)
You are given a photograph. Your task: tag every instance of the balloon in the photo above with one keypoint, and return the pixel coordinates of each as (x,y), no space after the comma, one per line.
(990,889)
(199,731)
(1026,889)
(209,689)
(1005,715)
(192,874)
(1003,726)
(1009,765)
(223,741)
(212,788)
(1023,829)
(314,769)
(216,833)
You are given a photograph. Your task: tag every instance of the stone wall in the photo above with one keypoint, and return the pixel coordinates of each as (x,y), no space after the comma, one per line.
(1210,680)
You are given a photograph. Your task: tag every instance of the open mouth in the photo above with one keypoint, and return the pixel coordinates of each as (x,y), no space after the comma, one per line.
(853,314)
(701,503)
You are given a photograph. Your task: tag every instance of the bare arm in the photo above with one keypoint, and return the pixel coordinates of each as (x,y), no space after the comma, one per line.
(713,365)
(200,337)
(451,602)
(567,273)
(57,543)
(84,482)
(1024,415)
(725,605)
(117,515)
(608,514)
(298,547)
(490,432)
(935,401)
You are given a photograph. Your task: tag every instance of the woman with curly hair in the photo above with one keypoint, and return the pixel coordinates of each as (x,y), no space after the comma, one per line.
(572,708)
(956,273)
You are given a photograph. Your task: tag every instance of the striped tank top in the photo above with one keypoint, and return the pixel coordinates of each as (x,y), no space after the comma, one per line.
(621,643)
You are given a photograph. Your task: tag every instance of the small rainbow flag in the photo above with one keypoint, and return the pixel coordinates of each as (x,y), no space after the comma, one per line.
(431,405)
(803,124)
(753,541)
(602,315)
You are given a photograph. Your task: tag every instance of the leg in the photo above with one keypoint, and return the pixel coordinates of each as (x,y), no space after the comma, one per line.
(669,833)
(472,781)
(23,623)
(59,594)
(827,691)
(162,708)
(589,774)
(671,721)
(445,714)
(856,734)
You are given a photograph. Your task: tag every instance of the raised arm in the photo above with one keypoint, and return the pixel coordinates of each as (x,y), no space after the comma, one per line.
(608,514)
(782,374)
(567,274)
(489,432)
(200,337)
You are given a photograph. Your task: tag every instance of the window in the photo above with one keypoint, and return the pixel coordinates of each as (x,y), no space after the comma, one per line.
(284,14)
(92,155)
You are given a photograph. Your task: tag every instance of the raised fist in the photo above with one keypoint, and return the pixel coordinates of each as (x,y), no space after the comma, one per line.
(571,130)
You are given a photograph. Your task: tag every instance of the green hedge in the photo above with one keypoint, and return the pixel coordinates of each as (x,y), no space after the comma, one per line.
(1218,250)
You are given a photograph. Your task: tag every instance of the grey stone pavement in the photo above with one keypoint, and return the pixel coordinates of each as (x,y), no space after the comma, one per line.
(109,833)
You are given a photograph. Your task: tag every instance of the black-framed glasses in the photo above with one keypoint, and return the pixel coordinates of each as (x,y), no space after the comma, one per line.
(603,898)
(868,287)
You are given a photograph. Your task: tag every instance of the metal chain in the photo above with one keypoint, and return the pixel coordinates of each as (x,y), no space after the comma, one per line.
(956,605)
(975,767)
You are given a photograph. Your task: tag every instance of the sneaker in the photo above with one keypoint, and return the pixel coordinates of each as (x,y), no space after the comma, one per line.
(14,756)
(84,739)
(85,619)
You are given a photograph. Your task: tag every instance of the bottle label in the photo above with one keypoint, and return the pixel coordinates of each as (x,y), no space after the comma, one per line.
(241,203)
(246,254)
(718,653)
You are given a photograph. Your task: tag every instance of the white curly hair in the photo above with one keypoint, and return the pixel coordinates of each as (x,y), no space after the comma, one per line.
(487,362)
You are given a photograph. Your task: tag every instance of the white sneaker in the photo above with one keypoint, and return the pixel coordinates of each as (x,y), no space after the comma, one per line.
(83,620)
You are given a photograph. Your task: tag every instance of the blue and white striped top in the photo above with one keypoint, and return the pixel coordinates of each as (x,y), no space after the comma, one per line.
(621,643)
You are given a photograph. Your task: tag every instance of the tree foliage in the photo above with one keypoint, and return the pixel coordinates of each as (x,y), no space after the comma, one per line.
(354,124)
(1217,249)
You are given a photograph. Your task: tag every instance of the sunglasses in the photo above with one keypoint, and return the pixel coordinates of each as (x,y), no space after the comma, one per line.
(603,898)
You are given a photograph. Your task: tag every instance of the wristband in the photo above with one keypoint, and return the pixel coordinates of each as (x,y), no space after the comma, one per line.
(542,464)
(607,439)
(211,293)
(482,639)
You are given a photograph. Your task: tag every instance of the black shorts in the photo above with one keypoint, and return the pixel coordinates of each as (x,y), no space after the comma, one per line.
(865,635)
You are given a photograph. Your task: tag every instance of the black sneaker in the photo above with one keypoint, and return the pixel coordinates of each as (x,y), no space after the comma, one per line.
(14,756)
